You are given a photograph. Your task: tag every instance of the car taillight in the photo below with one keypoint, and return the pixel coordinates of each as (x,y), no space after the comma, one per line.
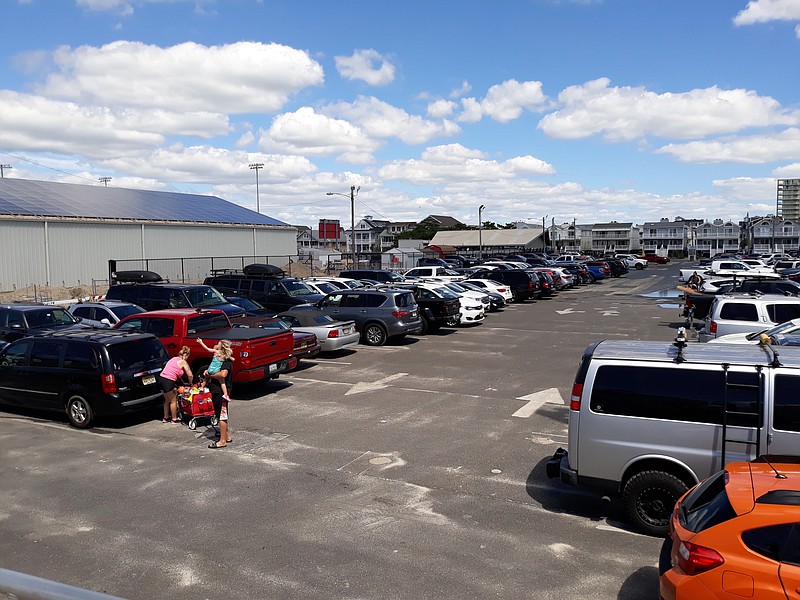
(575,399)
(109,383)
(333,333)
(245,356)
(501,290)
(399,313)
(694,559)
(712,328)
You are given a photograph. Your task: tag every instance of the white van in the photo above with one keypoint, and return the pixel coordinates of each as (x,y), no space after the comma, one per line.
(648,420)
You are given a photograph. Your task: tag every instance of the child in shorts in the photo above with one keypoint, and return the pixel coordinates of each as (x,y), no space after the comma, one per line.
(216,364)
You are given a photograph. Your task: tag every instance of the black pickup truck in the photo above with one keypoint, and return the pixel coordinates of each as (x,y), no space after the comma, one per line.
(435,311)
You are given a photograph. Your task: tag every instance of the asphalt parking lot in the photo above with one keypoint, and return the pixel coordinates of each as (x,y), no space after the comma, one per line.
(414,470)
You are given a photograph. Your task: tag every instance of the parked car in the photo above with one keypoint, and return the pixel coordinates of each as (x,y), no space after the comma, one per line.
(494,287)
(104,313)
(444,273)
(375,275)
(251,307)
(471,310)
(754,337)
(379,314)
(523,284)
(342,283)
(735,313)
(85,373)
(259,354)
(648,420)
(735,535)
(306,344)
(151,293)
(633,261)
(438,306)
(331,334)
(496,301)
(266,286)
(432,261)
(655,258)
(21,320)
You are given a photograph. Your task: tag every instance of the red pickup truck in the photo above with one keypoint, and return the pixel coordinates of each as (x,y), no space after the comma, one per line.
(259,354)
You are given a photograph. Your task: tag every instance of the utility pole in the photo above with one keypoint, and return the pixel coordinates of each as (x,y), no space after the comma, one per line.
(256,167)
(3,170)
(480,233)
(105,180)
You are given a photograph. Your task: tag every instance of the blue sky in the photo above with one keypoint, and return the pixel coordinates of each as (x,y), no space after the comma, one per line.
(593,110)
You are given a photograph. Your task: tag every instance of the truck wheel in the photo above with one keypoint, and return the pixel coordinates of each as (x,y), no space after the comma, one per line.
(649,498)
(374,335)
(79,411)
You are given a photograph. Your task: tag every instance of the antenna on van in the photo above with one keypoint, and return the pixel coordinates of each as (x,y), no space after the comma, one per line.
(680,344)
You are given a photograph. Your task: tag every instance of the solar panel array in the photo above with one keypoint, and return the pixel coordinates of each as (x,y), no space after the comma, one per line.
(51,199)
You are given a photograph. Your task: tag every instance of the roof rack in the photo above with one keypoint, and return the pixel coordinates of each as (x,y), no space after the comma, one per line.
(136,277)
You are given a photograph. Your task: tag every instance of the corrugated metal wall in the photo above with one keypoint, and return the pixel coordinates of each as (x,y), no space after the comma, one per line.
(70,252)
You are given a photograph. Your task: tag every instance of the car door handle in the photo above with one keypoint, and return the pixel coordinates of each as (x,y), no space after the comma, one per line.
(273,342)
(172,345)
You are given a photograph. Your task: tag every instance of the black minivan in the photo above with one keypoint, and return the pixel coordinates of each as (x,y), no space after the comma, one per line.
(87,374)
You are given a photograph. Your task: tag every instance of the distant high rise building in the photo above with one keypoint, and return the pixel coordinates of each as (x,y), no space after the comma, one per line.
(788,204)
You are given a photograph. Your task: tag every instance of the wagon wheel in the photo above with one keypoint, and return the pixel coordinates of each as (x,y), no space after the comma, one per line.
(193,424)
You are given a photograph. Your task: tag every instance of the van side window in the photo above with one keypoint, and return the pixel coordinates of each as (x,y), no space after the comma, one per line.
(674,394)
(45,353)
(739,311)
(787,403)
(80,356)
(15,354)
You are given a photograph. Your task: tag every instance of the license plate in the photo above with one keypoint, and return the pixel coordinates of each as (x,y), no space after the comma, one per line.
(150,379)
(347,330)
(273,368)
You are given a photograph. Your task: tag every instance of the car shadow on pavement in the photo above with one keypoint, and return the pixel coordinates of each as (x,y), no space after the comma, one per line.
(258,389)
(642,583)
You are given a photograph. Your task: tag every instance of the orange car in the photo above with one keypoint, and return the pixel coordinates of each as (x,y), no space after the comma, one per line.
(736,535)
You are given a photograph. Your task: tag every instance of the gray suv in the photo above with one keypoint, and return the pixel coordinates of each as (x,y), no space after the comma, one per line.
(737,313)
(379,314)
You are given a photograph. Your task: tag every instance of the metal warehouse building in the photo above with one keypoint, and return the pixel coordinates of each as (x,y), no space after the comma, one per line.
(65,234)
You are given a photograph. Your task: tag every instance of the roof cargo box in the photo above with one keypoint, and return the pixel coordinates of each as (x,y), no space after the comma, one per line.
(136,277)
(262,270)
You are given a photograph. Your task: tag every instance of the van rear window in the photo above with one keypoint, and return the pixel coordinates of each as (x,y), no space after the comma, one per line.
(137,355)
(676,394)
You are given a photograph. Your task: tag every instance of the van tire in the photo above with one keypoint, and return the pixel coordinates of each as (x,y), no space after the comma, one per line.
(79,411)
(649,498)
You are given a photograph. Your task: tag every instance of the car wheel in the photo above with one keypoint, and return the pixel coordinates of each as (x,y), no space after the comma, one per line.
(639,267)
(592,278)
(649,498)
(79,411)
(425,327)
(374,335)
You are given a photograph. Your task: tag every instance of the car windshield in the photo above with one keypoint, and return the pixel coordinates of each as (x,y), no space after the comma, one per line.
(446,293)
(326,287)
(297,288)
(204,296)
(784,328)
(248,304)
(324,320)
(49,317)
(456,287)
(125,311)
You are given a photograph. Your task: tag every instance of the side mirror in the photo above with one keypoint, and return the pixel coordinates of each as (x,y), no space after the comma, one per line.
(16,326)
(105,322)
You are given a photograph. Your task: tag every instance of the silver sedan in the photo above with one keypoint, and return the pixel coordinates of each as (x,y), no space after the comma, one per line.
(332,335)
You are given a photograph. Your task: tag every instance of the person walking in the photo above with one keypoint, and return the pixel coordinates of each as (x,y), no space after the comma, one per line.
(215,382)
(175,369)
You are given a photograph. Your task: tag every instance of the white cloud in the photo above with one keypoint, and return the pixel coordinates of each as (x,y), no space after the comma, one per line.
(627,113)
(308,132)
(454,164)
(505,101)
(465,88)
(234,78)
(366,65)
(382,120)
(441,108)
(756,149)
(791,171)
(763,11)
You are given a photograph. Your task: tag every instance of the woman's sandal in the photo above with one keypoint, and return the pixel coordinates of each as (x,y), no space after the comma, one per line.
(215,445)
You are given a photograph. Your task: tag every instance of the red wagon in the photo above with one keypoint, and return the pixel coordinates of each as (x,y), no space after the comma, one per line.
(195,405)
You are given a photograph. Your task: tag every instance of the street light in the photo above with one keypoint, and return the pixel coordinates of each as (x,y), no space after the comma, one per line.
(480,232)
(257,166)
(352,196)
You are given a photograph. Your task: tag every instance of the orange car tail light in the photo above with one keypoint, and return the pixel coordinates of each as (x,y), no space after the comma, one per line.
(575,399)
(694,559)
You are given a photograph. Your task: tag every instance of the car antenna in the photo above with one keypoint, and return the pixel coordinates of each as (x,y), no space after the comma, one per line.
(778,474)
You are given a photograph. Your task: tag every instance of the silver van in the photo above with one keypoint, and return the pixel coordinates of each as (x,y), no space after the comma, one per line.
(648,420)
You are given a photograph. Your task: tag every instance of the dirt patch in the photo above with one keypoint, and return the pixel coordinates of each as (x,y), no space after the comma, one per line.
(44,293)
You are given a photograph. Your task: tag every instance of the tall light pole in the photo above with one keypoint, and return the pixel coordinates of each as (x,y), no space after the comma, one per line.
(257,166)
(3,170)
(353,194)
(544,240)
(104,180)
(480,232)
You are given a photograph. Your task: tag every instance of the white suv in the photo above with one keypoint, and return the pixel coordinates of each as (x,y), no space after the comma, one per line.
(738,313)
(633,262)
